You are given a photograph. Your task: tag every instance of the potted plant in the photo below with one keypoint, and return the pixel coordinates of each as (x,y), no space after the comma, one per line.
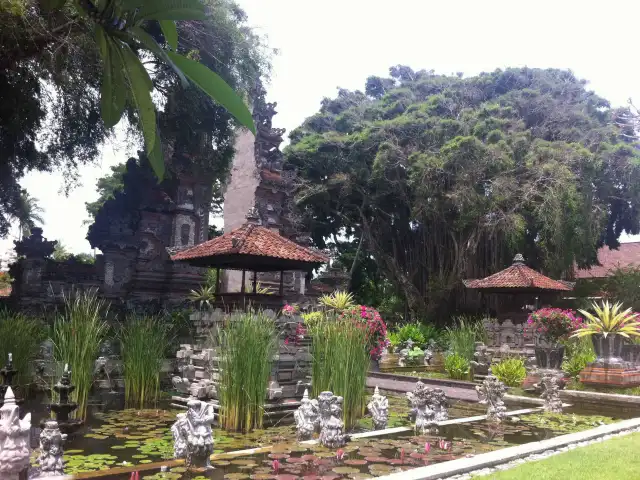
(608,329)
(551,327)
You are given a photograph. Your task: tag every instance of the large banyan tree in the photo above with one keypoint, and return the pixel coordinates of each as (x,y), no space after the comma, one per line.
(437,178)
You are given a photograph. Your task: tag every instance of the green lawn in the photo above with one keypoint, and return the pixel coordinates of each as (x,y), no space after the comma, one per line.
(615,459)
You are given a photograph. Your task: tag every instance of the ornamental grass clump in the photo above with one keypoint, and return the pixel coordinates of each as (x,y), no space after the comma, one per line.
(554,325)
(510,371)
(609,320)
(77,335)
(143,341)
(21,336)
(340,362)
(463,336)
(247,344)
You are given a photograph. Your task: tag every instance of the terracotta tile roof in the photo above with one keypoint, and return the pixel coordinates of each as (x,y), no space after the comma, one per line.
(518,276)
(627,255)
(252,240)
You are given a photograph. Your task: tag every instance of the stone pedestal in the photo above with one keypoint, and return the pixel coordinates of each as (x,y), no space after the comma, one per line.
(621,376)
(609,369)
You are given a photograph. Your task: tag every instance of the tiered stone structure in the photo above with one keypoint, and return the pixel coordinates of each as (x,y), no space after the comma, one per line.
(260,191)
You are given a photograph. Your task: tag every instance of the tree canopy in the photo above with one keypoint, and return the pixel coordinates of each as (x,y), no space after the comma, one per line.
(447,177)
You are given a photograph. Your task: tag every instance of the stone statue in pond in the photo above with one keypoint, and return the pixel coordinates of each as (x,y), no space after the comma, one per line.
(551,393)
(307,417)
(331,424)
(192,434)
(51,440)
(491,393)
(428,406)
(14,439)
(379,409)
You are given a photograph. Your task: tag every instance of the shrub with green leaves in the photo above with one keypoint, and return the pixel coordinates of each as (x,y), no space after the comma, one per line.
(456,366)
(411,332)
(510,371)
(578,353)
(415,355)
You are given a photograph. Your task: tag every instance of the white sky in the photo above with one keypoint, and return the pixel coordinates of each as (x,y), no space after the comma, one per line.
(333,43)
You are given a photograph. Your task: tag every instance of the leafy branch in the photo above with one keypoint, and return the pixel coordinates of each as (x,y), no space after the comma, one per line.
(120,33)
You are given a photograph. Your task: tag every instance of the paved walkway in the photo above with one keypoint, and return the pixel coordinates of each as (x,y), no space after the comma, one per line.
(407,384)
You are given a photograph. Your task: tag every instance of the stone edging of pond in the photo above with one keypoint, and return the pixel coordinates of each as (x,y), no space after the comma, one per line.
(426,380)
(535,450)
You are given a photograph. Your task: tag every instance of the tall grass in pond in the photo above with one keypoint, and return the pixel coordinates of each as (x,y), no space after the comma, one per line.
(143,341)
(77,335)
(463,335)
(21,336)
(340,362)
(247,344)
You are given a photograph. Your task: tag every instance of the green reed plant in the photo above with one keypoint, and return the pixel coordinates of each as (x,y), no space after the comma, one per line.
(463,336)
(247,344)
(143,341)
(77,334)
(21,336)
(340,363)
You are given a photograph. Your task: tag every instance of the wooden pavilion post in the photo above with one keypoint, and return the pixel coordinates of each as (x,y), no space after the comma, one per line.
(282,283)
(217,281)
(255,282)
(242,284)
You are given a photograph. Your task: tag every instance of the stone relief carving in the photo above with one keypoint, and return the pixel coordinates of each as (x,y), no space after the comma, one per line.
(51,453)
(192,434)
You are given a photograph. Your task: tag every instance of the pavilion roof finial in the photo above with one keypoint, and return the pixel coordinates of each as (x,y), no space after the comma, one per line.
(518,259)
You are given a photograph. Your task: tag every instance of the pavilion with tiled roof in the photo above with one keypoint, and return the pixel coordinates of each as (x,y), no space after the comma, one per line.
(518,278)
(518,286)
(251,248)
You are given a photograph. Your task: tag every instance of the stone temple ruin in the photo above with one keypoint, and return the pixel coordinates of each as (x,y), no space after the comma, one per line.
(139,229)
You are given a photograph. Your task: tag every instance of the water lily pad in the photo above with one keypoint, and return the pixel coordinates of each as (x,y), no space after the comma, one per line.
(345,470)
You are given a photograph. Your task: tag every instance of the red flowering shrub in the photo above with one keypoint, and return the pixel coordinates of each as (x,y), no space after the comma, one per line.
(370,318)
(554,324)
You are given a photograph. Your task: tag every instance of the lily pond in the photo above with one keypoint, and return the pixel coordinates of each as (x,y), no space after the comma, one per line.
(114,443)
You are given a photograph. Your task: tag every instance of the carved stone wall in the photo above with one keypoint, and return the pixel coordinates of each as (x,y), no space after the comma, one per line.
(133,231)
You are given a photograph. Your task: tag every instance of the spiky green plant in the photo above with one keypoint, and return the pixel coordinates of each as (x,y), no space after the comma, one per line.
(609,320)
(340,362)
(21,336)
(510,371)
(143,341)
(77,334)
(247,344)
(203,297)
(338,301)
